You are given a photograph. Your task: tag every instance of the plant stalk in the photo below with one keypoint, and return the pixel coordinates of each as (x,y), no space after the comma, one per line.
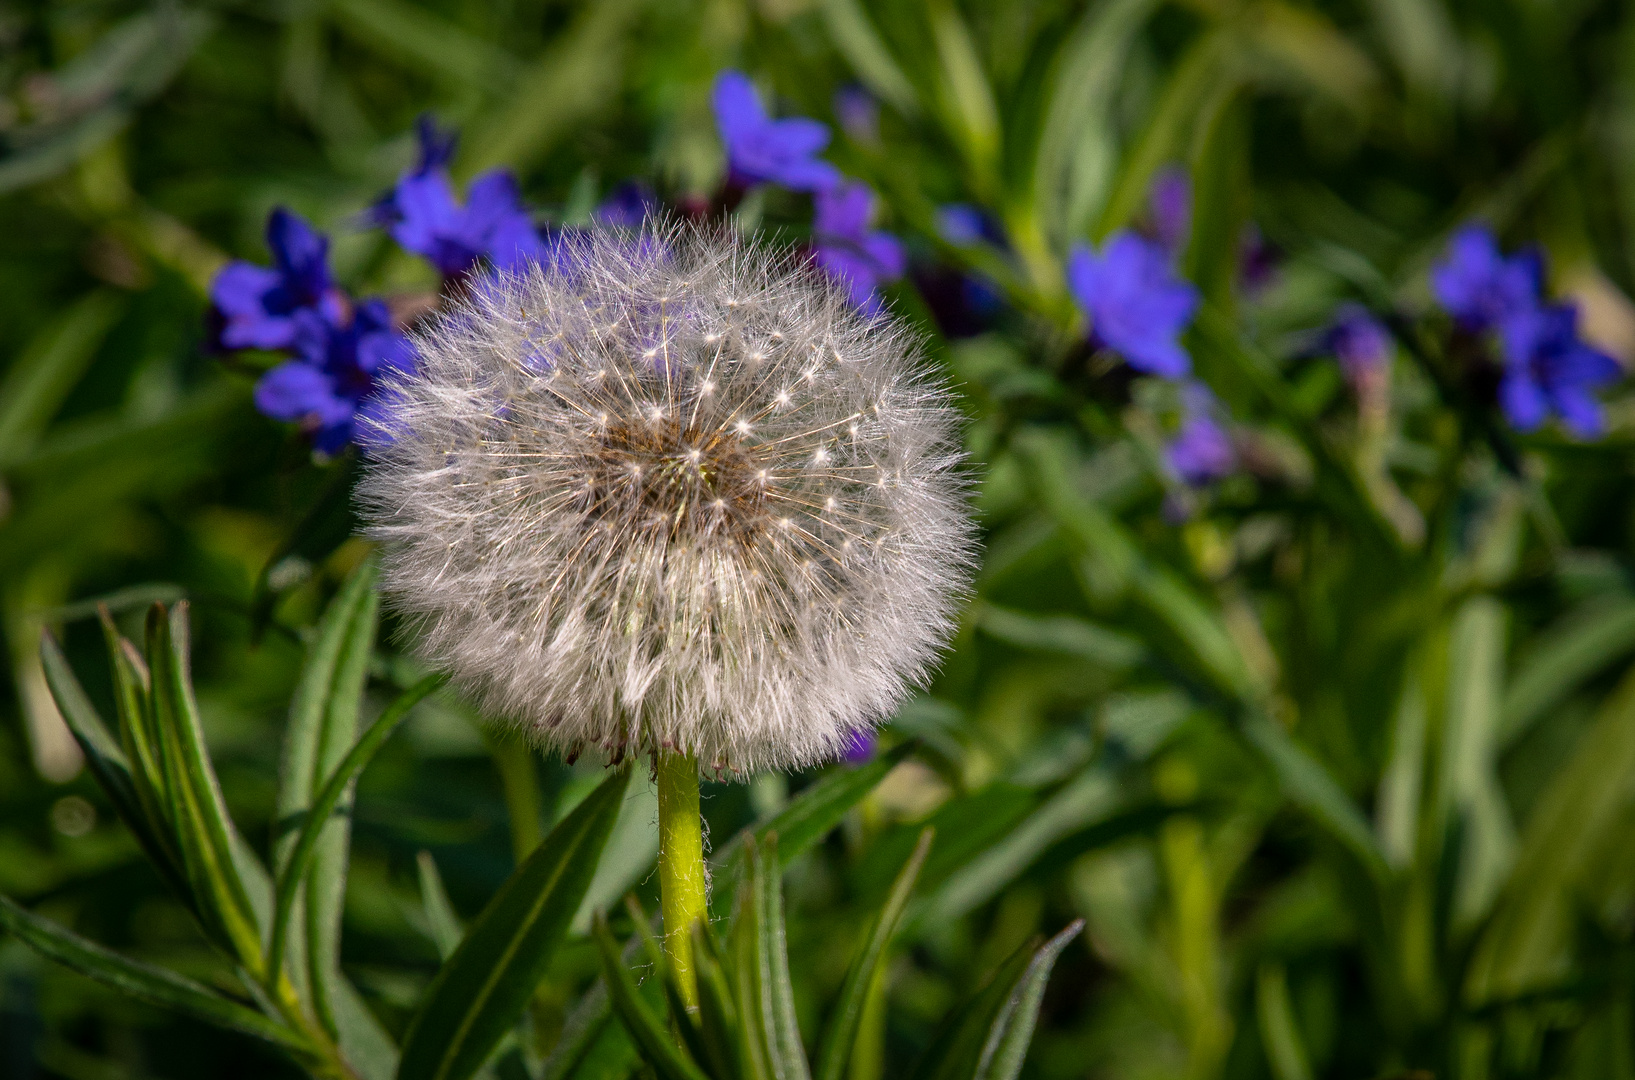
(681,864)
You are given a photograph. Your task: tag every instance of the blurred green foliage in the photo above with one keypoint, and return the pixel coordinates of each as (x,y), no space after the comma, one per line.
(1338,768)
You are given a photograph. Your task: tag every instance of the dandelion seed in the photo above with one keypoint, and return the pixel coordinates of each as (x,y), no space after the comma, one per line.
(676,551)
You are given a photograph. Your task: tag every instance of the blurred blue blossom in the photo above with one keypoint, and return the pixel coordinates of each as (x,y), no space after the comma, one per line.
(1202,450)
(627,205)
(1549,369)
(1137,305)
(760,148)
(1169,209)
(1360,342)
(424,215)
(258,306)
(861,747)
(1479,286)
(964,225)
(848,249)
(858,113)
(334,374)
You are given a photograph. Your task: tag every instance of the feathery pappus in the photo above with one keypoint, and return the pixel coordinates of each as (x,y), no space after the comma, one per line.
(672,489)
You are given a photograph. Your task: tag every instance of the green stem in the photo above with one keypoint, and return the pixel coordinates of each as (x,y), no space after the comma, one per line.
(519,782)
(681,863)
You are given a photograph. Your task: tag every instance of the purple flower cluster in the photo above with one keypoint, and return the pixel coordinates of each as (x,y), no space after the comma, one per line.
(424,214)
(784,152)
(1548,368)
(338,347)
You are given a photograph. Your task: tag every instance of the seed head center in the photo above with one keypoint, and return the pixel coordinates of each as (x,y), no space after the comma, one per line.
(681,480)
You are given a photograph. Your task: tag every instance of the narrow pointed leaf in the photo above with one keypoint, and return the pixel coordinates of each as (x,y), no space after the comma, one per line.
(717,1015)
(809,816)
(337,786)
(142,981)
(322,726)
(837,1044)
(106,759)
(657,1048)
(785,1052)
(441,918)
(1012,1030)
(481,991)
(199,813)
(958,1045)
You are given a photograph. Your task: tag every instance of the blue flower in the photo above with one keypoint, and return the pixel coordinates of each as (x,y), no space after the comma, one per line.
(424,214)
(627,206)
(1169,209)
(848,250)
(965,225)
(1549,369)
(861,747)
(858,113)
(334,374)
(1359,342)
(259,305)
(1137,306)
(1479,286)
(1202,450)
(760,148)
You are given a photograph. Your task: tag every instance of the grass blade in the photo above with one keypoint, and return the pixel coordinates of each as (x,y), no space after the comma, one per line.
(1012,1030)
(142,981)
(198,813)
(837,1043)
(338,785)
(480,992)
(777,994)
(107,760)
(657,1048)
(808,817)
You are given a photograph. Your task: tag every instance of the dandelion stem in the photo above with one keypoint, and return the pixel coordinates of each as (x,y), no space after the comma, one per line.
(681,863)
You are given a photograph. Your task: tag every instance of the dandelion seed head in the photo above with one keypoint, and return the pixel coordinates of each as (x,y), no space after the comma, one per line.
(681,533)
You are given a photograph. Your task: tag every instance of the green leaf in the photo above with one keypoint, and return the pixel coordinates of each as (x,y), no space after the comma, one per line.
(1469,780)
(1011,1032)
(482,989)
(854,35)
(1067,634)
(441,918)
(1078,141)
(1309,786)
(439,47)
(967,101)
(107,760)
(321,729)
(1568,857)
(809,816)
(777,994)
(718,1019)
(837,1042)
(1279,1030)
(339,784)
(656,1046)
(1572,650)
(1088,797)
(142,981)
(966,1041)
(198,813)
(576,76)
(50,365)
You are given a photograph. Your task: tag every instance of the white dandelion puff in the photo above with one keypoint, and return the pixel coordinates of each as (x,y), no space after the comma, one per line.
(673,491)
